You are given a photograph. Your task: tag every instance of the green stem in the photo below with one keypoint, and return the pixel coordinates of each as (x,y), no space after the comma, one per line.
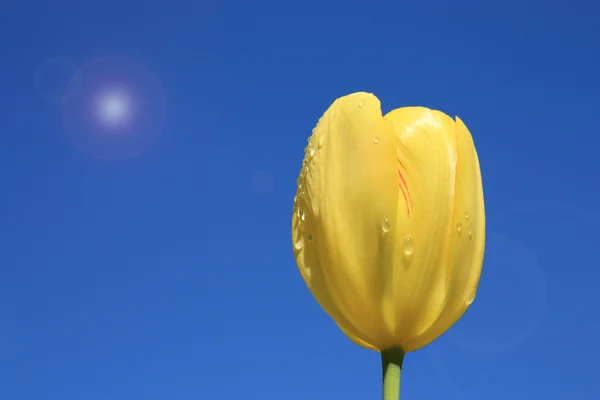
(391,361)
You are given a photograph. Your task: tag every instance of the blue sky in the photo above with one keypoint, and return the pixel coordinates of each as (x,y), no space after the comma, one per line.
(169,274)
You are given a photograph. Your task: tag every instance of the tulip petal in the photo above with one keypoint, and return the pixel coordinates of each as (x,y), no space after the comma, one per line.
(468,238)
(426,163)
(346,197)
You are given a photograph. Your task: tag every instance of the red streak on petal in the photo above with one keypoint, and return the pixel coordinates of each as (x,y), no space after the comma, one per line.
(402,184)
(402,165)
(406,200)
(402,179)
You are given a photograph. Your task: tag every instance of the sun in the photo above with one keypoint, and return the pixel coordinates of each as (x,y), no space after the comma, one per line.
(119,110)
(113,106)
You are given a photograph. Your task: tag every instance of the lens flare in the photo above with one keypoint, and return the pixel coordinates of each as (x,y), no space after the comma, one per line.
(120,109)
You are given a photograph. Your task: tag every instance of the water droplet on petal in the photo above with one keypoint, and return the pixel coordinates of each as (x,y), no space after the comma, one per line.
(466,215)
(458,228)
(471,299)
(361,104)
(408,247)
(310,237)
(321,141)
(299,244)
(376,139)
(303,215)
(311,152)
(469,231)
(385,225)
(298,212)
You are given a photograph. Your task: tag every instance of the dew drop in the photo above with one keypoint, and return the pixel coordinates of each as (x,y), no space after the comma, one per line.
(298,212)
(311,152)
(376,139)
(310,237)
(361,104)
(303,215)
(408,247)
(469,231)
(385,225)
(299,244)
(458,228)
(307,272)
(471,299)
(466,215)
(321,141)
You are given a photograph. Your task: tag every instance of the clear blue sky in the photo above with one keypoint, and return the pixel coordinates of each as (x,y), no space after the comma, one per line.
(170,274)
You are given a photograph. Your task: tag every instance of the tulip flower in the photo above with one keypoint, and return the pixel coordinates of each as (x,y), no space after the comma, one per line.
(388,226)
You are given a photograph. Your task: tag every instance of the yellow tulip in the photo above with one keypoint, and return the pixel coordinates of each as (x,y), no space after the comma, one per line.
(388,225)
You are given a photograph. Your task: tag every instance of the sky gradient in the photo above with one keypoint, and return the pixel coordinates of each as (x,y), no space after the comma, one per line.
(148,161)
